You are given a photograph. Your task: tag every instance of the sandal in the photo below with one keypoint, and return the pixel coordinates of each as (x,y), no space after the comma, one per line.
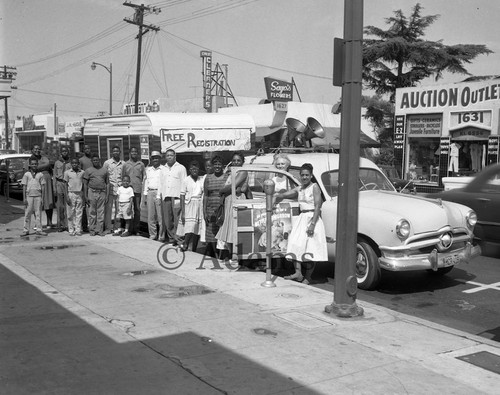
(305,281)
(295,277)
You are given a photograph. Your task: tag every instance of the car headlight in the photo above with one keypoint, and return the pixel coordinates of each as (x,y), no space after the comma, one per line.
(471,219)
(403,229)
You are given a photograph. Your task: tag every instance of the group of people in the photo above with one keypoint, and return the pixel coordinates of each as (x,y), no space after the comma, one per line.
(183,207)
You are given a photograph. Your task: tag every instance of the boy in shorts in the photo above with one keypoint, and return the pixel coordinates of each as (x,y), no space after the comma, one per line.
(125,204)
(33,192)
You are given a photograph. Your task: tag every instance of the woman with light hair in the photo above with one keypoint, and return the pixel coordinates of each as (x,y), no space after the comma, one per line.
(281,162)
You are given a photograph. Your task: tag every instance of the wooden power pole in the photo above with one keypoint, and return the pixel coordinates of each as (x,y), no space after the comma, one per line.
(140,11)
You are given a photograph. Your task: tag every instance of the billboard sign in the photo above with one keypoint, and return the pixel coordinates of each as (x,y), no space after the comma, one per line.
(278,90)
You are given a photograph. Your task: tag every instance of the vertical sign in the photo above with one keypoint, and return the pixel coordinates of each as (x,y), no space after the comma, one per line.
(206,57)
(444,158)
(493,150)
(144,139)
(399,142)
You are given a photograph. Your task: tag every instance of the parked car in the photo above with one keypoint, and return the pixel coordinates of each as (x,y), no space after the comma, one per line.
(482,194)
(396,232)
(17,167)
(401,185)
(7,151)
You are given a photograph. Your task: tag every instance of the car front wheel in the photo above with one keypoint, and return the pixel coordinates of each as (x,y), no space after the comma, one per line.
(368,269)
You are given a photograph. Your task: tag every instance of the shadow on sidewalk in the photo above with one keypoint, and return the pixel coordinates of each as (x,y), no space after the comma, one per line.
(48,349)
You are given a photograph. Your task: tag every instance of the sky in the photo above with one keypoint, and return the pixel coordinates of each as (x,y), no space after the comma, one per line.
(53,43)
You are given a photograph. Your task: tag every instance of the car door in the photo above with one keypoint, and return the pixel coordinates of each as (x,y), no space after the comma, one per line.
(251,218)
(487,207)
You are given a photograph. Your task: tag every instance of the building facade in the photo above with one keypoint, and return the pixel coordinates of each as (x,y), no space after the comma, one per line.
(446,131)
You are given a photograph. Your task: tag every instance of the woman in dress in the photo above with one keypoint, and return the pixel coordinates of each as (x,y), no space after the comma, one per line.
(307,240)
(281,162)
(227,235)
(192,206)
(213,183)
(45,168)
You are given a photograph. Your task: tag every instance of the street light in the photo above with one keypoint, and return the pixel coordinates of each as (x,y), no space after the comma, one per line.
(110,71)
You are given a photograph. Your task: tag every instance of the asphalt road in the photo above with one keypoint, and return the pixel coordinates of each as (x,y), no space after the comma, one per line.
(467,298)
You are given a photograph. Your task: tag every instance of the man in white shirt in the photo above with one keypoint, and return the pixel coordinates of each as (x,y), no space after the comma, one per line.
(172,176)
(152,197)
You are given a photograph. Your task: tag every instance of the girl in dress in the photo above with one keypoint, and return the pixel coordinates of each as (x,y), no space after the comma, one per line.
(213,183)
(227,235)
(307,240)
(192,206)
(45,167)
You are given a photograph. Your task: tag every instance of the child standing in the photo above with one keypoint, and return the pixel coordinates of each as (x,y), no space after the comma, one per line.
(125,204)
(33,189)
(75,201)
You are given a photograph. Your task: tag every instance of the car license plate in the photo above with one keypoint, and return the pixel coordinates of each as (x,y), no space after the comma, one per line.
(451,260)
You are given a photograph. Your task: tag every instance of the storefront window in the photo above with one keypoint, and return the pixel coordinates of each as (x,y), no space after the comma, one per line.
(423,159)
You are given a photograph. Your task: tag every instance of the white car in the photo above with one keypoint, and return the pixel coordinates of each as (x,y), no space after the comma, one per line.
(396,232)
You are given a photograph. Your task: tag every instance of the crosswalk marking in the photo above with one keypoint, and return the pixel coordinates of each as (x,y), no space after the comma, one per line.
(480,286)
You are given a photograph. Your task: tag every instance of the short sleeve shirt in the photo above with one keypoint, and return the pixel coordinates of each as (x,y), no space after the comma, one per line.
(96,178)
(74,180)
(137,172)
(33,183)
(124,194)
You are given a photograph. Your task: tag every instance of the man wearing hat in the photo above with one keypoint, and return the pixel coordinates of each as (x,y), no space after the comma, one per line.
(152,196)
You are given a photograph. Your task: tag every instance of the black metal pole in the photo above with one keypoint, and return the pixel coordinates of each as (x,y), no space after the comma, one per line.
(345,285)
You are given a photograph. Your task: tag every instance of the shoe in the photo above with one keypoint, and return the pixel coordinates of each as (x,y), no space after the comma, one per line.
(152,237)
(305,281)
(102,234)
(183,247)
(60,230)
(40,233)
(295,277)
(117,233)
(124,234)
(25,233)
(71,233)
(49,226)
(161,240)
(92,233)
(78,234)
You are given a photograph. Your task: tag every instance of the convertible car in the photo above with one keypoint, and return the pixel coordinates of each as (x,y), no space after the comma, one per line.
(396,232)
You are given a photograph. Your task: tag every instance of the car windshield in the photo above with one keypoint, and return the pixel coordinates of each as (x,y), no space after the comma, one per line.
(15,164)
(369,179)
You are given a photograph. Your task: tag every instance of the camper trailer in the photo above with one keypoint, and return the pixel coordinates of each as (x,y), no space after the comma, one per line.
(190,133)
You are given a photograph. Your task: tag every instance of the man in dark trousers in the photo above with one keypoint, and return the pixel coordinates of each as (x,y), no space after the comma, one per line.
(85,162)
(60,166)
(96,191)
(135,169)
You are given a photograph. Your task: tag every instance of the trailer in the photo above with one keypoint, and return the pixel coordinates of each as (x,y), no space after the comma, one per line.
(191,133)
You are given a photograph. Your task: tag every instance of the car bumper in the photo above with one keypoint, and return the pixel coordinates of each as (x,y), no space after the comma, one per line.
(433,261)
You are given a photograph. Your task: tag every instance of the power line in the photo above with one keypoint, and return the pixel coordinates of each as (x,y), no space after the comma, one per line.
(248,61)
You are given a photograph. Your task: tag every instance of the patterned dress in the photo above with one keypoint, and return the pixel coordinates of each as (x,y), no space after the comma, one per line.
(213,186)
(45,168)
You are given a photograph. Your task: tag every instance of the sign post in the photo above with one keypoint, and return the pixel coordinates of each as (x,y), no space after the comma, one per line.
(269,191)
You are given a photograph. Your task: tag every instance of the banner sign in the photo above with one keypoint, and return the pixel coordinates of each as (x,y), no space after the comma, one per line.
(201,140)
(424,125)
(144,140)
(278,90)
(281,228)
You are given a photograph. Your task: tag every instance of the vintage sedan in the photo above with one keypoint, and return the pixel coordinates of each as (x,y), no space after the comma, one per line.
(17,166)
(396,232)
(482,194)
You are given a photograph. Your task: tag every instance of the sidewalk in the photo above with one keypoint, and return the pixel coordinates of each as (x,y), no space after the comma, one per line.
(100,315)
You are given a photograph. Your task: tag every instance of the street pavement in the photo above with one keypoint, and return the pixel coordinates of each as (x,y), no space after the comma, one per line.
(100,315)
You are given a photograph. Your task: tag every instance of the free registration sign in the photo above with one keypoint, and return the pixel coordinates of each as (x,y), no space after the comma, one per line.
(201,140)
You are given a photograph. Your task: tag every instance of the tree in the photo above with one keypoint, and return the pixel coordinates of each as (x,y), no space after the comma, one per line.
(398,57)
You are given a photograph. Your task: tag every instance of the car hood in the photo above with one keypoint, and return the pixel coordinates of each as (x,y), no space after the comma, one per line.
(424,214)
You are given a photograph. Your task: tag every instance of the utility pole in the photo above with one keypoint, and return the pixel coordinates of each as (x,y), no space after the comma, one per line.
(7,75)
(345,287)
(140,12)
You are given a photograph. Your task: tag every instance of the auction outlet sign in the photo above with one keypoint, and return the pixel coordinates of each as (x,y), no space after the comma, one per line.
(278,90)
(201,140)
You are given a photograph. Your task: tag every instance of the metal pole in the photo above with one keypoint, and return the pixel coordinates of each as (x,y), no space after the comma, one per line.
(345,286)
(110,89)
(269,191)
(7,146)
